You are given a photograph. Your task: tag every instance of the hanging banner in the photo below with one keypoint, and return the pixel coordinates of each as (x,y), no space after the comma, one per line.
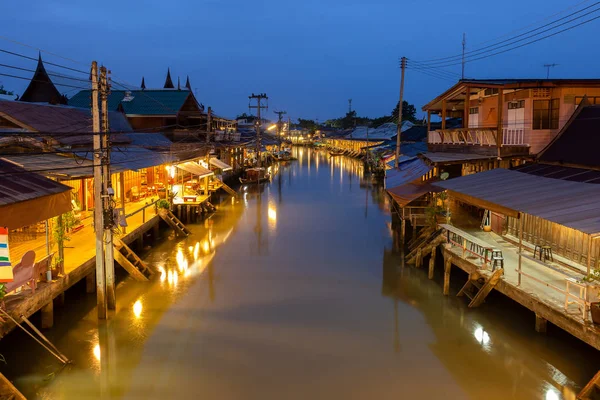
(6,272)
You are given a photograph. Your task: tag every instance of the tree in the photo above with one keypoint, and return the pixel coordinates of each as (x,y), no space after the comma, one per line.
(3,91)
(409,112)
(308,124)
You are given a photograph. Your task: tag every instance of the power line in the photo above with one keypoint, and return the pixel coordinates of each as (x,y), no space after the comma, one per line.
(50,74)
(485,55)
(32,80)
(480,50)
(45,62)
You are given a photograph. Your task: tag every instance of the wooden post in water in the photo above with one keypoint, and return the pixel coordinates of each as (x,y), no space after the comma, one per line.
(541,324)
(432,263)
(90,283)
(447,268)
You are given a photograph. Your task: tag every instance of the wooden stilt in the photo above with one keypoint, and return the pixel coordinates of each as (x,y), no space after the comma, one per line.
(90,283)
(419,259)
(541,324)
(48,315)
(432,262)
(447,269)
(155,232)
(60,299)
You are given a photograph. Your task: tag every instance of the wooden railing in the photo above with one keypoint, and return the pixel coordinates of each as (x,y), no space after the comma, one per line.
(477,136)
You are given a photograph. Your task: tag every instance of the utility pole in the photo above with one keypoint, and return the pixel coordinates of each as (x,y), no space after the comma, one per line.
(280,114)
(398,141)
(98,217)
(464,46)
(107,196)
(548,66)
(258,124)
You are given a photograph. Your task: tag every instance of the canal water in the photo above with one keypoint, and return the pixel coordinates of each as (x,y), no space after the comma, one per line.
(293,291)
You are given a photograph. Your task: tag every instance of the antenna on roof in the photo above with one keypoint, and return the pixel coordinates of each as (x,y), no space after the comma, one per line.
(548,66)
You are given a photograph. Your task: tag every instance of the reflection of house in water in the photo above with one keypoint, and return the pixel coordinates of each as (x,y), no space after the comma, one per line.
(481,353)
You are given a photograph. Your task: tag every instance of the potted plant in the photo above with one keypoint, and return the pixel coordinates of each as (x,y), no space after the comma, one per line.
(162,206)
(2,294)
(594,280)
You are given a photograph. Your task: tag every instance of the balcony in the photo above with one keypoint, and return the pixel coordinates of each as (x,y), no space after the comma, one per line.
(479,141)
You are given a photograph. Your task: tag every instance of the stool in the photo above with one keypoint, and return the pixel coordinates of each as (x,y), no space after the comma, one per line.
(538,247)
(496,253)
(497,260)
(547,252)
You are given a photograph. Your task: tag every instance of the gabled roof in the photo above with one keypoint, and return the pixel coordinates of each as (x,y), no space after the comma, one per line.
(46,118)
(578,142)
(140,102)
(41,89)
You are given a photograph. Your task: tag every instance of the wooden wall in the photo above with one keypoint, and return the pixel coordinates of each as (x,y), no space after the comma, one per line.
(567,242)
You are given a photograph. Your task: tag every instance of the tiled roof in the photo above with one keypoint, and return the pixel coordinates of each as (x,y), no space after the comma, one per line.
(139,102)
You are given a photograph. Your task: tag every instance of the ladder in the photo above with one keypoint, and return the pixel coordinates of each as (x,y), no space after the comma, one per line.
(479,286)
(131,262)
(228,190)
(174,223)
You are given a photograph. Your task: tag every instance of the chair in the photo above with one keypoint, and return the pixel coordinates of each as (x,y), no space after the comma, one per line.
(24,273)
(135,193)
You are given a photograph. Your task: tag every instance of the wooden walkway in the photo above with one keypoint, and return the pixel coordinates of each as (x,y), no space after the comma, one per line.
(80,262)
(541,289)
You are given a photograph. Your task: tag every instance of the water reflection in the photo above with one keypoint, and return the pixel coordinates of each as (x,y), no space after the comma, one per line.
(292,288)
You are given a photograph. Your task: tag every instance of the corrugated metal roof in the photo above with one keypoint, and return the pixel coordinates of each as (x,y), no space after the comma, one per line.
(220,164)
(405,194)
(568,203)
(133,159)
(149,140)
(195,169)
(443,157)
(53,165)
(559,172)
(407,172)
(17,185)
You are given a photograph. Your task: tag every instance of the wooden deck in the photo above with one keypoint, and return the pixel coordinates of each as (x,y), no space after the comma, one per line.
(541,288)
(80,261)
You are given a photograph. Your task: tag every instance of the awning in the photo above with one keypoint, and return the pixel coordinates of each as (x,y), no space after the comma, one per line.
(195,169)
(132,159)
(572,204)
(27,198)
(406,172)
(405,194)
(220,164)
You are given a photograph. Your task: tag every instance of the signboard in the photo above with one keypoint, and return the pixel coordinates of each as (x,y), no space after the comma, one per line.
(6,272)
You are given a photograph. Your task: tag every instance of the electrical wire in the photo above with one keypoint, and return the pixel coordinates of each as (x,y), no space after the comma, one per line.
(494,46)
(45,62)
(32,80)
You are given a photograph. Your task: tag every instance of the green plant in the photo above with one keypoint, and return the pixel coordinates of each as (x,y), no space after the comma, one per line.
(164,204)
(2,290)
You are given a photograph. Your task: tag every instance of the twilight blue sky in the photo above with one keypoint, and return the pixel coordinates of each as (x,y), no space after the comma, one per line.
(309,56)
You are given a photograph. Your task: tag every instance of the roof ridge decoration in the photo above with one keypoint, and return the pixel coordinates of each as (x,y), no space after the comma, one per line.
(143,85)
(168,81)
(41,89)
(187,83)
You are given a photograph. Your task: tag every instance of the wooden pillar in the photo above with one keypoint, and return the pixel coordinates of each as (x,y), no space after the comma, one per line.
(140,242)
(447,269)
(60,299)
(90,283)
(499,136)
(419,260)
(443,114)
(47,312)
(541,325)
(428,121)
(122,190)
(589,255)
(432,262)
(467,107)
(520,247)
(206,186)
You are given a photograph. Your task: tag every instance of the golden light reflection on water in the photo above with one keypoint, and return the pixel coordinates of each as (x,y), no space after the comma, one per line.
(137,308)
(96,352)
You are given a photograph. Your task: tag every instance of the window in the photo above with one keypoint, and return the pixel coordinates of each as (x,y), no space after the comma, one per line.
(490,92)
(513,105)
(591,100)
(474,110)
(545,114)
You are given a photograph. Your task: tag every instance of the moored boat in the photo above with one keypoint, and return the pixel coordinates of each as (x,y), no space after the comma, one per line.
(255,175)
